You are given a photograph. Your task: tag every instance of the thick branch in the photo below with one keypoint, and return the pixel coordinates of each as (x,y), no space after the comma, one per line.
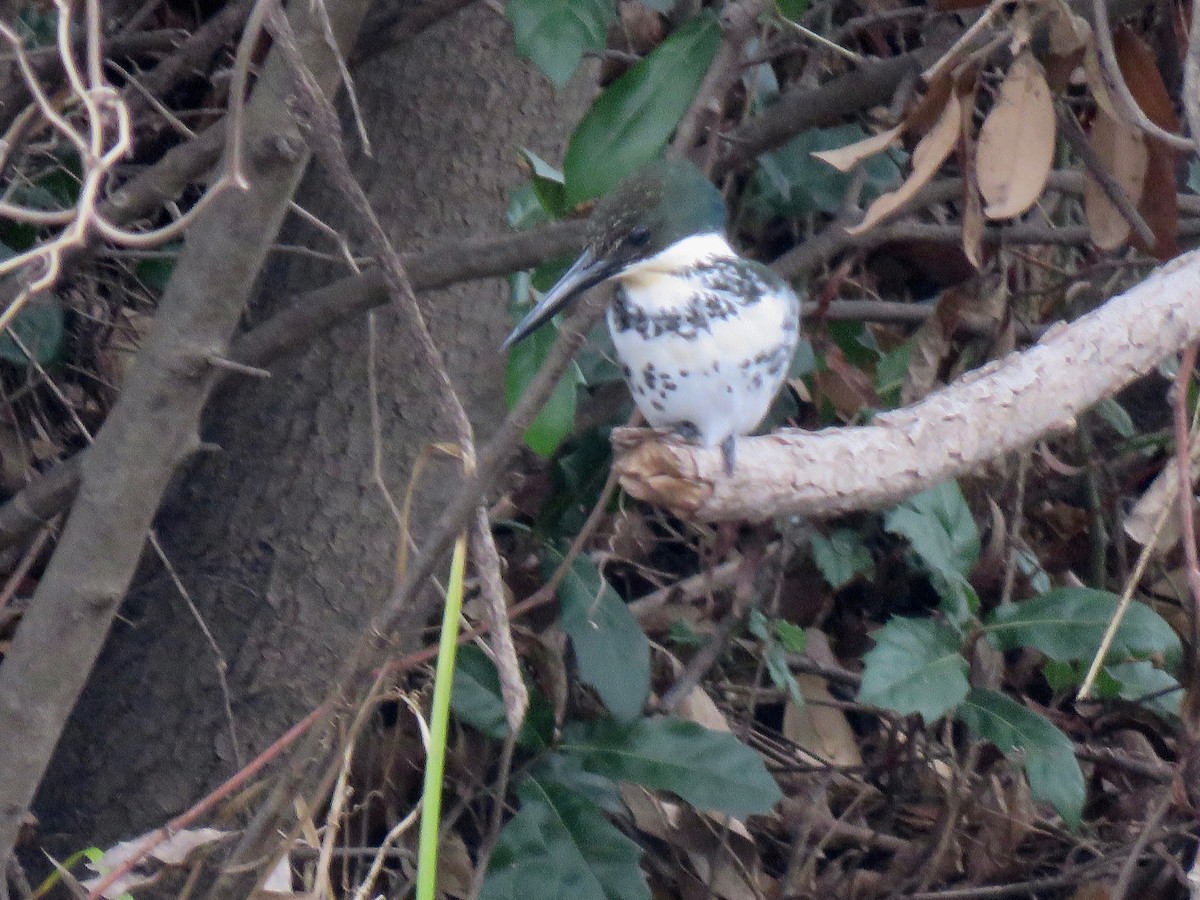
(153,426)
(1000,408)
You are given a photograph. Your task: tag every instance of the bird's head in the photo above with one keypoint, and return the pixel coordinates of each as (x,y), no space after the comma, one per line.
(644,215)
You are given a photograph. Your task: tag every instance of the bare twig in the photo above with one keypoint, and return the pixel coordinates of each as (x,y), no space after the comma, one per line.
(1185,496)
(1070,129)
(738,21)
(1113,78)
(1191,83)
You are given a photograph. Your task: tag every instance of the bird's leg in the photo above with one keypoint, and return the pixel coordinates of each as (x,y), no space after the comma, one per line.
(687,430)
(727,448)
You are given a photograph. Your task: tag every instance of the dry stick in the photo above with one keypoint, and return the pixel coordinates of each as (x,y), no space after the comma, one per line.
(194,53)
(1113,78)
(150,430)
(313,313)
(997,409)
(1184,494)
(1147,830)
(1131,583)
(739,20)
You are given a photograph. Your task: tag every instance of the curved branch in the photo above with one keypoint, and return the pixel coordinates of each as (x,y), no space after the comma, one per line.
(1000,408)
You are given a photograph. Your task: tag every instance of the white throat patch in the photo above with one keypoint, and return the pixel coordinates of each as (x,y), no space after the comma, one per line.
(660,283)
(681,255)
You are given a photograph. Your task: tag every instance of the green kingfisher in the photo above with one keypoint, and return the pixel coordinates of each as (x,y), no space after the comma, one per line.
(705,336)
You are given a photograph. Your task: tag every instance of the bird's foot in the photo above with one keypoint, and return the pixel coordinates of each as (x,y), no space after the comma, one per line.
(727,447)
(687,431)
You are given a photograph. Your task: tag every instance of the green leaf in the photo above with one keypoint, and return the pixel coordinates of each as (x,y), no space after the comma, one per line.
(793,638)
(842,557)
(941,530)
(1141,682)
(560,846)
(156,272)
(630,123)
(566,772)
(890,372)
(708,769)
(781,673)
(476,699)
(39,327)
(554,34)
(939,526)
(1069,623)
(1048,756)
(793,9)
(774,655)
(915,667)
(612,651)
(524,207)
(557,418)
(547,184)
(790,181)
(1116,416)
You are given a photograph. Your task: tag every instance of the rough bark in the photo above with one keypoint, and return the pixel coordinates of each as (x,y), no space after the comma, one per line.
(153,426)
(282,539)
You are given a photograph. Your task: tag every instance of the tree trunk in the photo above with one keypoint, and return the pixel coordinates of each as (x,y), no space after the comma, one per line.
(283,540)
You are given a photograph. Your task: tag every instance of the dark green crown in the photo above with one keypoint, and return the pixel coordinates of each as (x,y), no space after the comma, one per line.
(650,210)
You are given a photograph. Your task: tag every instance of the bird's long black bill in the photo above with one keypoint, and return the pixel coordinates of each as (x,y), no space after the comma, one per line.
(583,274)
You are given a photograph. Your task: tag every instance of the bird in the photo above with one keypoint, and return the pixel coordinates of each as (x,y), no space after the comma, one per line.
(704,336)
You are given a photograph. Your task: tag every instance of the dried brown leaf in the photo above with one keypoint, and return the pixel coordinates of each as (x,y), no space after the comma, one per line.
(1070,35)
(926,110)
(698,707)
(1121,149)
(846,158)
(848,388)
(972,208)
(1160,203)
(823,731)
(1092,890)
(927,158)
(1016,142)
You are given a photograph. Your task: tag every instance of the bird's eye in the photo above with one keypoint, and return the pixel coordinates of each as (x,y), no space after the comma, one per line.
(639,236)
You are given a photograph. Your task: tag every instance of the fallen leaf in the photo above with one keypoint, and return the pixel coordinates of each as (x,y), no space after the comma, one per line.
(698,707)
(1121,149)
(848,388)
(1016,141)
(1160,203)
(1149,509)
(972,208)
(824,731)
(927,158)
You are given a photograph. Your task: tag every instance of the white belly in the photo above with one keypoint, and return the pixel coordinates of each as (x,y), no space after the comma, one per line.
(716,382)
